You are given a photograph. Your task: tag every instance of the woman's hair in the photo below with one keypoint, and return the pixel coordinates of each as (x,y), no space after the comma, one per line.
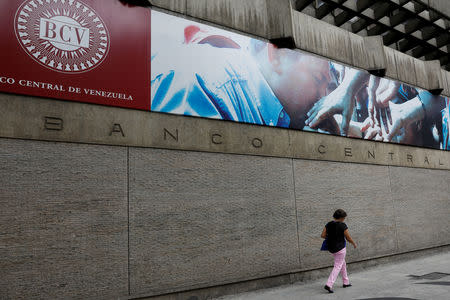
(340,213)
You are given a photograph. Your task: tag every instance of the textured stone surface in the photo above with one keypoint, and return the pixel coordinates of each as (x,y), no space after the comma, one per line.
(264,18)
(321,38)
(422,74)
(279,13)
(446,81)
(196,219)
(362,191)
(24,117)
(63,221)
(375,52)
(435,79)
(368,52)
(199,219)
(204,219)
(360,57)
(406,70)
(249,16)
(429,75)
(173,5)
(326,147)
(391,64)
(440,5)
(304,278)
(422,207)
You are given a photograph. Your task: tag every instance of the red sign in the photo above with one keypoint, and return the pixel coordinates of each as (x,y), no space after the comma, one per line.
(95,51)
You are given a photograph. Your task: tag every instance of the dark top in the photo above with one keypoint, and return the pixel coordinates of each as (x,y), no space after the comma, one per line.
(335,236)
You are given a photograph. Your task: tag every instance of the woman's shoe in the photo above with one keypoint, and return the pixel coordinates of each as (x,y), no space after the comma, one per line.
(346,285)
(328,289)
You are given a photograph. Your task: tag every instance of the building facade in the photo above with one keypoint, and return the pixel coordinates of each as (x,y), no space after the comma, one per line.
(188,149)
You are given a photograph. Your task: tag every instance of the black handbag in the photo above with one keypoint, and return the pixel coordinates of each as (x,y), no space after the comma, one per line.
(324,245)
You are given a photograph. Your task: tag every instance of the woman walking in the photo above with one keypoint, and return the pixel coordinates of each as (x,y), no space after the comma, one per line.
(335,233)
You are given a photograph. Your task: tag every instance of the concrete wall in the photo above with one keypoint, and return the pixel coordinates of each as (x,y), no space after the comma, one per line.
(114,215)
(63,220)
(199,219)
(92,222)
(269,19)
(64,121)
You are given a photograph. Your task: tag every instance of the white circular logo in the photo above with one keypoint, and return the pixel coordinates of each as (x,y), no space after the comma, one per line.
(66,36)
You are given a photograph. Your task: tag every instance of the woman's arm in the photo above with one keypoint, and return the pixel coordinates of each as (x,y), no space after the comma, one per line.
(349,238)
(324,233)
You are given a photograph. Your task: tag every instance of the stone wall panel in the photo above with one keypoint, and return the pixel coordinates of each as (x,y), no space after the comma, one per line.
(63,221)
(362,191)
(199,219)
(422,207)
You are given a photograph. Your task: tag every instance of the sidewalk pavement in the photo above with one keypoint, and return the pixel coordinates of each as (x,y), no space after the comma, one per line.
(426,278)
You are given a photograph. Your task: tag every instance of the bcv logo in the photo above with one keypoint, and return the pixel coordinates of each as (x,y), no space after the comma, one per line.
(71,36)
(64,33)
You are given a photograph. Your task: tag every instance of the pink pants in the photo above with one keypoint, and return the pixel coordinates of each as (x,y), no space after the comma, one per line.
(339,267)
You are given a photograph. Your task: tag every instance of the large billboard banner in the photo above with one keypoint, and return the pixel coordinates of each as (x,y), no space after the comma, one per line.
(199,70)
(111,53)
(82,50)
